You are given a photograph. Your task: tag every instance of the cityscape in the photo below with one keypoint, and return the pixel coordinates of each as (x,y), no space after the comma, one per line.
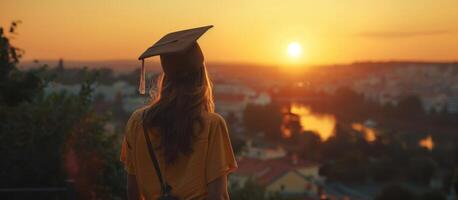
(266,156)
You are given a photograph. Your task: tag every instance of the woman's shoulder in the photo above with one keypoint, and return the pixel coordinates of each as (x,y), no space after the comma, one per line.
(214,118)
(137,116)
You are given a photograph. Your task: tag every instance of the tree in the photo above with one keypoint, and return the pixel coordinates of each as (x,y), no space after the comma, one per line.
(49,138)
(118,108)
(266,119)
(410,107)
(345,156)
(311,143)
(338,144)
(433,195)
(15,86)
(249,191)
(421,169)
(347,101)
(395,192)
(252,191)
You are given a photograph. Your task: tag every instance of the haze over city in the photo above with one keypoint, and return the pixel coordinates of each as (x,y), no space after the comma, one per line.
(256,32)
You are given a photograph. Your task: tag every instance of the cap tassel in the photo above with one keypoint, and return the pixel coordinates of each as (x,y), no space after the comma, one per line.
(142,86)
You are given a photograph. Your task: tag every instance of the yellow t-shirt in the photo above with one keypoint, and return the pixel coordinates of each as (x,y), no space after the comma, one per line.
(212,157)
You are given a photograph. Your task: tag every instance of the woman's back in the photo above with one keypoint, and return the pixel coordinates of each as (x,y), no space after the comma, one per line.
(191,142)
(188,175)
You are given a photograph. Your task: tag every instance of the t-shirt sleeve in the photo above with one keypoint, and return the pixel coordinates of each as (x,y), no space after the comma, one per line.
(127,152)
(220,156)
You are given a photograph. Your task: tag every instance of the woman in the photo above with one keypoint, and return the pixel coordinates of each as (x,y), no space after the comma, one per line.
(191,142)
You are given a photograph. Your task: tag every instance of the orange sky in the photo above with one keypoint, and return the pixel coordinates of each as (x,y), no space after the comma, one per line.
(254,31)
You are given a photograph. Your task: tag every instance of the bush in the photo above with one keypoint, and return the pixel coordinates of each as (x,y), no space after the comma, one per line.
(47,139)
(395,192)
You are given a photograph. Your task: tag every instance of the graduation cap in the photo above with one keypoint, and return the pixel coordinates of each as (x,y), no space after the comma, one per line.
(175,48)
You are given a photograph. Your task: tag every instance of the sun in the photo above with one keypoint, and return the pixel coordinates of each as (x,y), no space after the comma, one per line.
(294,49)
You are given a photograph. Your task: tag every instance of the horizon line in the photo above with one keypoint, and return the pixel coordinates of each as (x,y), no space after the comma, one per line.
(440,61)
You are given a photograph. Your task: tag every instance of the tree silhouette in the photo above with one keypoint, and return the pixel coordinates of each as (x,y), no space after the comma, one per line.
(395,192)
(15,86)
(49,138)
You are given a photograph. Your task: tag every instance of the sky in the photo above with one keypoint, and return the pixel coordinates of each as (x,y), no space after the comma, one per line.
(246,31)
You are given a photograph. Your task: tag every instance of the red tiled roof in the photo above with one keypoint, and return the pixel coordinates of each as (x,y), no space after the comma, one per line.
(266,171)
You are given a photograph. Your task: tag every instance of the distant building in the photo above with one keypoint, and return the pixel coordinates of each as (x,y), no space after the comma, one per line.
(287,176)
(232,98)
(452,104)
(262,98)
(262,153)
(57,87)
(110,91)
(107,91)
(435,103)
(231,103)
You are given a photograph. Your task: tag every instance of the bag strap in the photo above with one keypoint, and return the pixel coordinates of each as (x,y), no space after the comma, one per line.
(165,188)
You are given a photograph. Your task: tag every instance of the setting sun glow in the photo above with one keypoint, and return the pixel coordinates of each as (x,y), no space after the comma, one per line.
(294,50)
(314,30)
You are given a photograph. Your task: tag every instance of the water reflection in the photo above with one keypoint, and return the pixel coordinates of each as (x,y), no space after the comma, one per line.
(323,124)
(427,142)
(369,133)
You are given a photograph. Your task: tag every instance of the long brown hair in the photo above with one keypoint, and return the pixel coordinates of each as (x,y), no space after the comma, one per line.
(177,108)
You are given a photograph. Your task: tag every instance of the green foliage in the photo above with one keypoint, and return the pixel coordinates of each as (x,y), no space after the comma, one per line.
(47,139)
(433,195)
(422,169)
(343,142)
(15,86)
(252,191)
(409,107)
(311,143)
(70,76)
(351,167)
(395,192)
(348,98)
(384,170)
(249,191)
(266,119)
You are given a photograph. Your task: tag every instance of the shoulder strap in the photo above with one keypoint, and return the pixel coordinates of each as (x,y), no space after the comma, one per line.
(165,188)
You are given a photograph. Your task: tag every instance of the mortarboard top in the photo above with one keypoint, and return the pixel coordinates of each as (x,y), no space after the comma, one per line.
(175,42)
